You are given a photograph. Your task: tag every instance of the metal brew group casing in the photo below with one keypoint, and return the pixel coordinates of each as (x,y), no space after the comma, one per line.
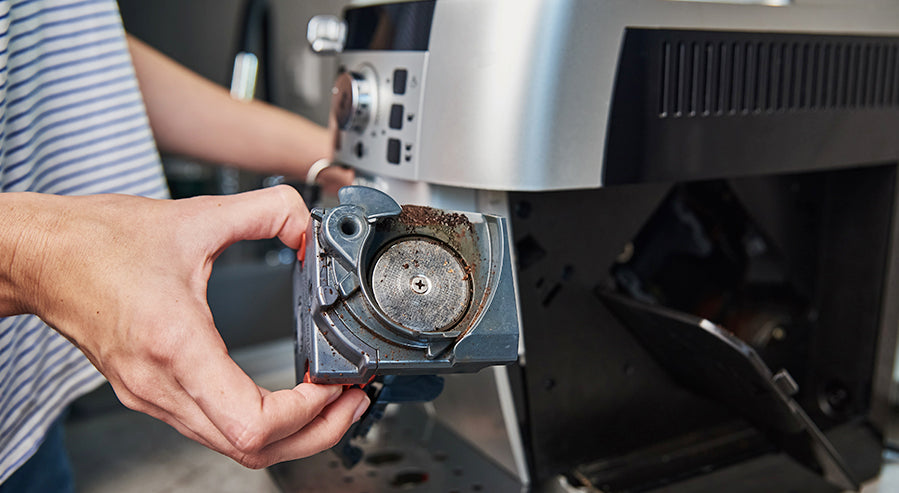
(384,289)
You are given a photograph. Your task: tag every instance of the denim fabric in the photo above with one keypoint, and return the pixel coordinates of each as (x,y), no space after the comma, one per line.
(47,471)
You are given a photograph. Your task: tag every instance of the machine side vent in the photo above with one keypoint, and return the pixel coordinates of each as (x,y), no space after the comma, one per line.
(718,77)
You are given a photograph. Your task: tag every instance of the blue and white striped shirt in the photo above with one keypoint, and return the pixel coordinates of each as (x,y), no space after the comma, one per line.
(72,122)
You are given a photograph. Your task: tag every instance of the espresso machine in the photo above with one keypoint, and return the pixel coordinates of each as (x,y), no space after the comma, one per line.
(701,205)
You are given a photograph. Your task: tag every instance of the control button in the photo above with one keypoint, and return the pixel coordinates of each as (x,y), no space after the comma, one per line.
(396,116)
(399,81)
(393,151)
(353,99)
(359,149)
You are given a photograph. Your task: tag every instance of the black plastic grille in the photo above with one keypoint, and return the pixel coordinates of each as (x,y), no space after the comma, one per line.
(713,78)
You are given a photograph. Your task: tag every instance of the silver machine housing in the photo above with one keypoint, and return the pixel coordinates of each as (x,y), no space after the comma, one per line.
(516,95)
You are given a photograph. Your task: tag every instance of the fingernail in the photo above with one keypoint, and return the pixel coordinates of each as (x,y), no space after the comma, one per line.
(336,390)
(361,409)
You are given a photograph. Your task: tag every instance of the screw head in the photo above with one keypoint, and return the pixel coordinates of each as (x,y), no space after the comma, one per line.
(420,284)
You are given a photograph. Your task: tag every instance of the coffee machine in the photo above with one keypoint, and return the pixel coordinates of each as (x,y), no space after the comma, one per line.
(701,199)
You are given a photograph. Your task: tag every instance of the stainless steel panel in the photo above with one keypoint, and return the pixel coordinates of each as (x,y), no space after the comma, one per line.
(407,451)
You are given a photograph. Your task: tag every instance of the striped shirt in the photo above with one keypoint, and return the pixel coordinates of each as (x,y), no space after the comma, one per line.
(72,122)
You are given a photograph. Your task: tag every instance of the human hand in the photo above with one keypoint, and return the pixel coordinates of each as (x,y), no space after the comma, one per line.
(124,278)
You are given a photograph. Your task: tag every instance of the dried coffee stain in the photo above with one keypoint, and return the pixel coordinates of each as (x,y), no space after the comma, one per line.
(467,269)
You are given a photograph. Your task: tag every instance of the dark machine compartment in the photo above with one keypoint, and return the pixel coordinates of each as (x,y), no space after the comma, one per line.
(795,265)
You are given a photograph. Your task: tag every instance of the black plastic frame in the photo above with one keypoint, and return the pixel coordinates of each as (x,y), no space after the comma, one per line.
(404,26)
(691,105)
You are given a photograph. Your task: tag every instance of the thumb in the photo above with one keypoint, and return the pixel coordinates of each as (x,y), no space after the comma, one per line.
(260,214)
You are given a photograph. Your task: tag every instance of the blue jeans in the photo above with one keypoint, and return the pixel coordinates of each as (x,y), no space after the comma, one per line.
(47,471)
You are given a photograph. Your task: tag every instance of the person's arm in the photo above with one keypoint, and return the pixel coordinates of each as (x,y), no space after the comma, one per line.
(195,117)
(124,278)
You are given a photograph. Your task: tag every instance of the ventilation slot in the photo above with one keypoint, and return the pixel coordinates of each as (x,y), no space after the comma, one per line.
(705,78)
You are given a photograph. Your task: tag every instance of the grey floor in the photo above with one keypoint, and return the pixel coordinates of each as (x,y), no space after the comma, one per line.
(131,453)
(121,451)
(116,450)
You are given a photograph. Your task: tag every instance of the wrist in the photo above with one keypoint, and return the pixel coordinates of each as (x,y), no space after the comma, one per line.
(27,225)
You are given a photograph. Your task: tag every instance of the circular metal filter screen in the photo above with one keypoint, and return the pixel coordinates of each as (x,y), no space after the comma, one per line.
(420,284)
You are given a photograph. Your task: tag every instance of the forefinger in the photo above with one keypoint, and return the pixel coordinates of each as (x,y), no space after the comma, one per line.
(247,417)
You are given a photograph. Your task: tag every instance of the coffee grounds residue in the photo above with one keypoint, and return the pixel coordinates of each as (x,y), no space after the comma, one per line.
(416,215)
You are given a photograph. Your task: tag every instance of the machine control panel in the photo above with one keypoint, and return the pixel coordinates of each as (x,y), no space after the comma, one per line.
(376,105)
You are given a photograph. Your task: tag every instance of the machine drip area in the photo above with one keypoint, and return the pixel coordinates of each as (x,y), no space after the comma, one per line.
(713,301)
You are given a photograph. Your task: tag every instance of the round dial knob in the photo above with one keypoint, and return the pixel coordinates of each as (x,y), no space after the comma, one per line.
(353,99)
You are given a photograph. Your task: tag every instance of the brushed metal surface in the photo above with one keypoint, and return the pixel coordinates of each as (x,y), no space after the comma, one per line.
(421,285)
